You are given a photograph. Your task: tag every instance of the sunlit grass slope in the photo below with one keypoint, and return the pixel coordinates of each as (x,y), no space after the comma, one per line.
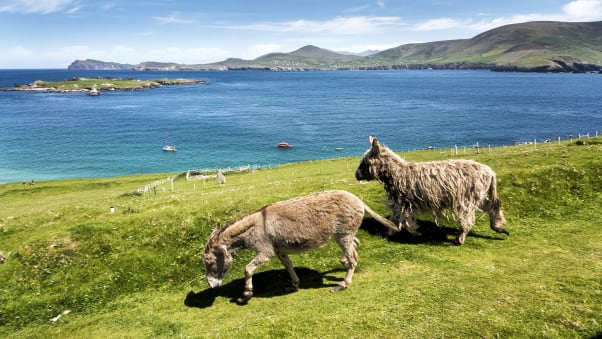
(137,272)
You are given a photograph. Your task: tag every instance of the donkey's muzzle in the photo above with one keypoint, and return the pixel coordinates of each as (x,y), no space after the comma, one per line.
(358,175)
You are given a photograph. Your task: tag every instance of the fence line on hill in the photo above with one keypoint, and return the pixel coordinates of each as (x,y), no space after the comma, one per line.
(199,174)
(153,185)
(476,148)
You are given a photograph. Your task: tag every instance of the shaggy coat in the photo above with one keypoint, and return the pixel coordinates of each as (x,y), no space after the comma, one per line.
(292,226)
(460,186)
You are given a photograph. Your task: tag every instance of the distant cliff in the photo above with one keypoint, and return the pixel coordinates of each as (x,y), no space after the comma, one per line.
(90,64)
(542,46)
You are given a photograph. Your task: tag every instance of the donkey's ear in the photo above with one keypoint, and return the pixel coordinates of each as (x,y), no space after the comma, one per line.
(224,250)
(375,144)
(215,231)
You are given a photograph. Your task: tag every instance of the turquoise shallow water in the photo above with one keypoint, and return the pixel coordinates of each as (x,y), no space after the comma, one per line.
(237,118)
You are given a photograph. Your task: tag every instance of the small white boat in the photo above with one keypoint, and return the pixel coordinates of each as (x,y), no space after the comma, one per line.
(93,92)
(169,148)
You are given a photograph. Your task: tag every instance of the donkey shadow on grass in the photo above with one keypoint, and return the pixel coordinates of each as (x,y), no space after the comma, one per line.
(266,284)
(432,233)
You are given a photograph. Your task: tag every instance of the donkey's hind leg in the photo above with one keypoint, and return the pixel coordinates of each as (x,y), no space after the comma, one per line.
(348,244)
(295,281)
(467,220)
(408,222)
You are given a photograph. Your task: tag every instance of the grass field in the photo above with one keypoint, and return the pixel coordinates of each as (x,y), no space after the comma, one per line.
(137,272)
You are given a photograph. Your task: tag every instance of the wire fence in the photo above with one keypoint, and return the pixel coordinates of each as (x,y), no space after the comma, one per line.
(219,174)
(478,147)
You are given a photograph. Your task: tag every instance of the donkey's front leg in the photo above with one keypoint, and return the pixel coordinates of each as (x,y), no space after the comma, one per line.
(259,260)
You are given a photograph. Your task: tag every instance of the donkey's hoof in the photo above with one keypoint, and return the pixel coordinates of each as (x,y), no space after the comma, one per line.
(243,300)
(291,289)
(338,288)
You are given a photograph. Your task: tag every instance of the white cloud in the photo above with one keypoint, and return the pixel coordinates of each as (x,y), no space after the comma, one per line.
(360,24)
(172,19)
(358,9)
(359,48)
(196,55)
(146,33)
(121,52)
(437,24)
(585,10)
(19,52)
(28,57)
(263,49)
(484,25)
(39,6)
(61,57)
(74,9)
(338,25)
(577,10)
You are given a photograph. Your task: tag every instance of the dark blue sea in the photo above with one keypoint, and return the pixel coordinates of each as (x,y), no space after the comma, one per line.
(239,116)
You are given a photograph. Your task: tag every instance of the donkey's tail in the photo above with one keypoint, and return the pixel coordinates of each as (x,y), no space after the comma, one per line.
(384,221)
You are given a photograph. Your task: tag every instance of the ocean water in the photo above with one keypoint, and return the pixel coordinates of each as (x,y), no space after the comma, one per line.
(238,117)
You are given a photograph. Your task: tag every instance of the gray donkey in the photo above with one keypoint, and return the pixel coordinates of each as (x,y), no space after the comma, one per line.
(292,226)
(460,186)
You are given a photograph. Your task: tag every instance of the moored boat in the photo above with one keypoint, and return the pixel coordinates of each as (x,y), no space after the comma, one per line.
(94,92)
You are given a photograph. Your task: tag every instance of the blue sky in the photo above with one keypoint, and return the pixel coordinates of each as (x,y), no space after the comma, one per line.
(53,33)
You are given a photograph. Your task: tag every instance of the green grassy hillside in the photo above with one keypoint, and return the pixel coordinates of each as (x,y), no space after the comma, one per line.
(533,45)
(136,272)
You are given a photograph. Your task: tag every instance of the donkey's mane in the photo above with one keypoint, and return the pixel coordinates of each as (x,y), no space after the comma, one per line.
(235,229)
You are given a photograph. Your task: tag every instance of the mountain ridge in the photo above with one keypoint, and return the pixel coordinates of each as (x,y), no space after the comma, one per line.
(540,46)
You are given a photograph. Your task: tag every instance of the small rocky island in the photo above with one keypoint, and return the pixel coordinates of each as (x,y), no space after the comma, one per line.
(79,84)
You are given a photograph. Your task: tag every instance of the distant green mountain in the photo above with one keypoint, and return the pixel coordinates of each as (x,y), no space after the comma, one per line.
(307,57)
(543,46)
